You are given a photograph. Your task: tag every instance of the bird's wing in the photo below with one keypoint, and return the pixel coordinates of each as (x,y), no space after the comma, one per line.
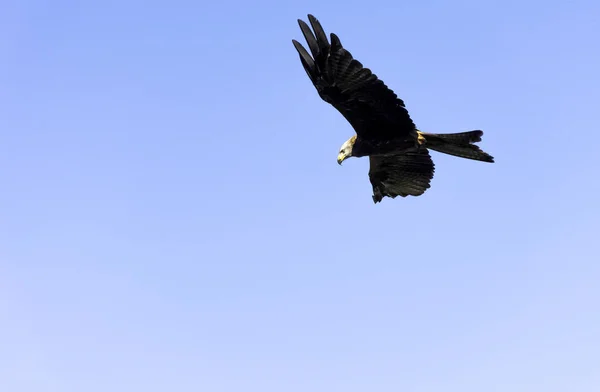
(401,175)
(373,110)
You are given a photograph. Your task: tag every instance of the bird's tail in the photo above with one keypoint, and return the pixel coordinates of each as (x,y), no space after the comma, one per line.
(458,144)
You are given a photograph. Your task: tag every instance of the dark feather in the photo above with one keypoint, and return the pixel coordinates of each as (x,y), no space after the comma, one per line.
(310,39)
(307,61)
(403,175)
(459,144)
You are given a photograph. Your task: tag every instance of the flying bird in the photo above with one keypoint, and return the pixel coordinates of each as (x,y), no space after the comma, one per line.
(400,164)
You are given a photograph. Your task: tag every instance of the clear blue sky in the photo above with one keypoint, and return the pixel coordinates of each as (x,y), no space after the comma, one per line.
(172,216)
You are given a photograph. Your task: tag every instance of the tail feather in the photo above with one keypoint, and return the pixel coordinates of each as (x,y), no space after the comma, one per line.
(458,144)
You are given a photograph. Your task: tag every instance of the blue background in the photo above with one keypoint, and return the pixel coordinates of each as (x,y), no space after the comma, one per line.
(172,217)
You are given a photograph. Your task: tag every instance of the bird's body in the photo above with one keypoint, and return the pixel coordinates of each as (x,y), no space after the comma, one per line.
(400,164)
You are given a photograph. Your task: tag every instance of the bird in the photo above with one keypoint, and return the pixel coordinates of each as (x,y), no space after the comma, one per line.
(399,160)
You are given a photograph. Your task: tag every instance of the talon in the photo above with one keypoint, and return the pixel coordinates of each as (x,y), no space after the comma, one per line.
(420,138)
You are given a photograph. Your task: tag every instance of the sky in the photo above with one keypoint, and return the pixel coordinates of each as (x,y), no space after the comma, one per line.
(172,216)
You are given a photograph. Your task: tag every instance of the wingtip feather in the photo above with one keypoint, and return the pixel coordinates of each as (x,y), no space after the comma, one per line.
(310,38)
(336,44)
(307,61)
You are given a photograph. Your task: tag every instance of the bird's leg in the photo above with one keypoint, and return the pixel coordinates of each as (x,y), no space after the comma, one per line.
(420,139)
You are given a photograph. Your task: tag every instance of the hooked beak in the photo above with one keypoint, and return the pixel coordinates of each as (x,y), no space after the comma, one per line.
(341,157)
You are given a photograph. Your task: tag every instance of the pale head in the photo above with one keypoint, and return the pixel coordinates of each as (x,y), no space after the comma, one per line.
(346,150)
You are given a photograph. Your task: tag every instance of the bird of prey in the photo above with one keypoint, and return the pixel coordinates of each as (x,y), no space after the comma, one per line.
(400,164)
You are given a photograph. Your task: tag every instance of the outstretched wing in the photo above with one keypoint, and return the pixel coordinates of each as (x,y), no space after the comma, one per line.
(373,110)
(401,175)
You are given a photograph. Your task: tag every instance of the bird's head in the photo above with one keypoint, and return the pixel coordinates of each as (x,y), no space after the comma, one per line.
(346,150)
